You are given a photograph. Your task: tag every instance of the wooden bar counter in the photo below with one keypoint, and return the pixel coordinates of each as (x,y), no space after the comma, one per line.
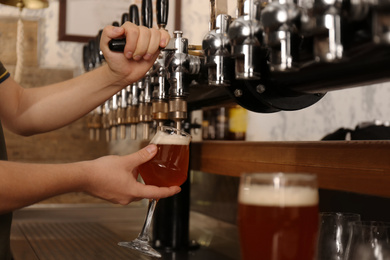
(354,166)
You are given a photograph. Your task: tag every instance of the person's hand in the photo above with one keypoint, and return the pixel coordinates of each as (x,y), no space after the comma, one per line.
(114,178)
(141,50)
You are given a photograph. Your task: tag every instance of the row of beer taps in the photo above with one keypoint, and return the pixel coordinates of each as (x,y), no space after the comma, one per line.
(273,55)
(290,33)
(159,97)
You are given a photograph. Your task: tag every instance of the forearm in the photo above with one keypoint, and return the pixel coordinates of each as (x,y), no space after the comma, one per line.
(47,108)
(23,184)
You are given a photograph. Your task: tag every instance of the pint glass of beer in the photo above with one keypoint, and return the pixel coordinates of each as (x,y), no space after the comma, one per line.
(278,216)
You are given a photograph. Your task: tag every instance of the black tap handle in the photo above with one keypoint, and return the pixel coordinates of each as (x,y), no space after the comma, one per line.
(134,14)
(162,7)
(125,18)
(117,44)
(147,13)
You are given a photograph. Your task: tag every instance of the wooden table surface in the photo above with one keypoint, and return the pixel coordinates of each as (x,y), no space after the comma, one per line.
(93,231)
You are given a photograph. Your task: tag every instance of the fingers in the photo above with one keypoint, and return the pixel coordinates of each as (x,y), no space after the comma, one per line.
(143,43)
(154,192)
(110,32)
(143,155)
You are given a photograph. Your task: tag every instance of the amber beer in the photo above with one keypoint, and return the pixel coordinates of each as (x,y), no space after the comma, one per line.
(169,166)
(278,222)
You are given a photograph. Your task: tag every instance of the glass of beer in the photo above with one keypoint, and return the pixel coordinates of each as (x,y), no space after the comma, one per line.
(278,216)
(169,167)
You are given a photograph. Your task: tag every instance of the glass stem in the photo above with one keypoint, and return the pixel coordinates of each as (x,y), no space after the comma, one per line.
(144,235)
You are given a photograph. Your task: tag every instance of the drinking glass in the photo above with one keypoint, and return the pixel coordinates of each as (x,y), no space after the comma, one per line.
(334,232)
(278,216)
(369,240)
(168,167)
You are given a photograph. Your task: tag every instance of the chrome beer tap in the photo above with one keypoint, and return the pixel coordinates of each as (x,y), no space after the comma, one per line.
(158,71)
(246,39)
(122,99)
(116,115)
(94,121)
(216,47)
(132,109)
(380,21)
(145,97)
(93,57)
(180,66)
(280,19)
(112,116)
(323,22)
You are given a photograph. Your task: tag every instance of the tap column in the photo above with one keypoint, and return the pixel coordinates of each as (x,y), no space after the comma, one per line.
(180,67)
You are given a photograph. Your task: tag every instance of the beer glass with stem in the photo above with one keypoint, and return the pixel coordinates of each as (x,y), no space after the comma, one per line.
(168,167)
(278,216)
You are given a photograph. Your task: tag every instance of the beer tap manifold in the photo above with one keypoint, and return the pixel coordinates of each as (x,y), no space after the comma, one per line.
(180,66)
(288,54)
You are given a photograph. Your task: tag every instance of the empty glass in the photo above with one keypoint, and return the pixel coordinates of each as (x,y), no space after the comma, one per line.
(369,240)
(334,232)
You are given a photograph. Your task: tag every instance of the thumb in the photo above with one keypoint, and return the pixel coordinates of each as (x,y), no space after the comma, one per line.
(145,154)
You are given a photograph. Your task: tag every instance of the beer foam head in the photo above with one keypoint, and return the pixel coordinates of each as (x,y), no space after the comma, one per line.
(266,195)
(173,139)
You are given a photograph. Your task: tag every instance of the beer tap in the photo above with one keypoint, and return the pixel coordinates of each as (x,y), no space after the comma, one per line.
(216,47)
(145,98)
(91,60)
(132,109)
(158,72)
(180,66)
(280,19)
(323,22)
(246,39)
(381,22)
(113,117)
(132,91)
(106,119)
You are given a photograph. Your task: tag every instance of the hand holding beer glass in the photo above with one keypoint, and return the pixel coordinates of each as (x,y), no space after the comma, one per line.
(168,167)
(278,216)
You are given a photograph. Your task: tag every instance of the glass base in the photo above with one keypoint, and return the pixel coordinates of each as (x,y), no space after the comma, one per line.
(141,246)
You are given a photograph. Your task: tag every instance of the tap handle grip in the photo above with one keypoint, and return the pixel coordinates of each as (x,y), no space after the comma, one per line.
(117,45)
(125,18)
(134,14)
(162,7)
(147,13)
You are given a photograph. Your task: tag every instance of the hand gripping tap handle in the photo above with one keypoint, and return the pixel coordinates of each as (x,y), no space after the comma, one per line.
(147,16)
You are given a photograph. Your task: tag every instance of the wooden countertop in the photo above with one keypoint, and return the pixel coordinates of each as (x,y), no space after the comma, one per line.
(355,166)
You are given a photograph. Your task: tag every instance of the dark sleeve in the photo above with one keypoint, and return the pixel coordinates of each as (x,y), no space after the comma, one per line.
(4,74)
